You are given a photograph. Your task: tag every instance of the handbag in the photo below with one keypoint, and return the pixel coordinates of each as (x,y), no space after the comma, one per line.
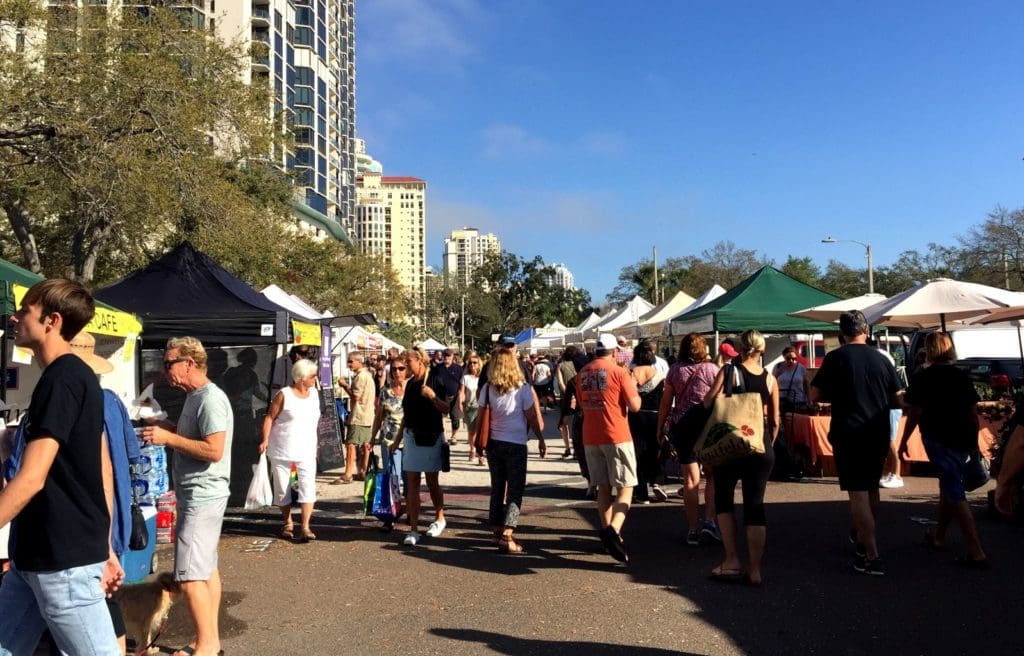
(483,422)
(684,433)
(735,428)
(446,457)
(370,483)
(975,471)
(260,493)
(387,498)
(139,539)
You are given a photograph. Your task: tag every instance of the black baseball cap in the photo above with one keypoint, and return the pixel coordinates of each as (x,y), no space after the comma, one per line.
(507,339)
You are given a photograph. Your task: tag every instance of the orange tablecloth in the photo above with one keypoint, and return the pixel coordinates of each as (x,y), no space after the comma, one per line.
(812,432)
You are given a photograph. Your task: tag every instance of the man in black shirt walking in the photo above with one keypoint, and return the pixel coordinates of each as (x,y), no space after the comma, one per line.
(62,563)
(862,386)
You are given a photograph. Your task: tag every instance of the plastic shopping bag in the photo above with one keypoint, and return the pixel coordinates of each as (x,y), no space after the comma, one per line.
(370,486)
(260,494)
(388,497)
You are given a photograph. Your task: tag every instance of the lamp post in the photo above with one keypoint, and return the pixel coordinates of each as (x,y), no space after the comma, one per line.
(871,271)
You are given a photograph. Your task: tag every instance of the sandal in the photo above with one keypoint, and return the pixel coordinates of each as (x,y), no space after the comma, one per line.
(342,480)
(724,575)
(288,532)
(308,535)
(509,546)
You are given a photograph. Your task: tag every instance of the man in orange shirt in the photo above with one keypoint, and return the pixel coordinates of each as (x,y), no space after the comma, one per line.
(607,394)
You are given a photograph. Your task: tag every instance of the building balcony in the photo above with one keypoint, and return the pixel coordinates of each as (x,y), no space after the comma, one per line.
(261,63)
(261,16)
(261,36)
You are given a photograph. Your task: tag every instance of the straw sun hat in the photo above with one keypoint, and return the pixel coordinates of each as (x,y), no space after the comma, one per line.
(84,346)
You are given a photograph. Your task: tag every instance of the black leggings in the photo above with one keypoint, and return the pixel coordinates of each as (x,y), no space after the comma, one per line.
(753,471)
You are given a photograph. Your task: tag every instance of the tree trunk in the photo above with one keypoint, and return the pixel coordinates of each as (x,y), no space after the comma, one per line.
(85,249)
(21,223)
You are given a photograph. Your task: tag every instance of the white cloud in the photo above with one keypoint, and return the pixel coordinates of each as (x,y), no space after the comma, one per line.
(420,30)
(505,141)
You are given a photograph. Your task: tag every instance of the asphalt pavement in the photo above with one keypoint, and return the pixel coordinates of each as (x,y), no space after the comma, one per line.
(356,590)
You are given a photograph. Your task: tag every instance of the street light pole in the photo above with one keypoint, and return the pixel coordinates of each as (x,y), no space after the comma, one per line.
(867,247)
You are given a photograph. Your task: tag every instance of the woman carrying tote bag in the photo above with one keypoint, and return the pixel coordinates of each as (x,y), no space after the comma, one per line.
(752,470)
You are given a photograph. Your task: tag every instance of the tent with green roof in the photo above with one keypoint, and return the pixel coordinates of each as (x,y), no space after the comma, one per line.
(762,302)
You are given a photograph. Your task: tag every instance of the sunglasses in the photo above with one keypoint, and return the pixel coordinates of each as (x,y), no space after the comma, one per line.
(170,363)
(397,368)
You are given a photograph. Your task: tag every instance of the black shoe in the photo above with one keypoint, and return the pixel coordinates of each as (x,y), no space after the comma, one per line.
(871,566)
(858,547)
(613,543)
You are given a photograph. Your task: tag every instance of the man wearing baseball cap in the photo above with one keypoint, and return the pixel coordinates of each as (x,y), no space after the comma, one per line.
(606,394)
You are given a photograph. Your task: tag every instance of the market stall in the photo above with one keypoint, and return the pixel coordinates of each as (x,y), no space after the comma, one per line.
(185,292)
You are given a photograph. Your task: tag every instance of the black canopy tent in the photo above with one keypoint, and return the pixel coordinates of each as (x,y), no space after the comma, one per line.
(186,293)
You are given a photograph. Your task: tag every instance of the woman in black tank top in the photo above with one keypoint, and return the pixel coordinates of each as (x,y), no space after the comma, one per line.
(752,470)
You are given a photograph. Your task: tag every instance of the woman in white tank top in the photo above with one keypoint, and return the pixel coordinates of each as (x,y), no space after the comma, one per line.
(289,438)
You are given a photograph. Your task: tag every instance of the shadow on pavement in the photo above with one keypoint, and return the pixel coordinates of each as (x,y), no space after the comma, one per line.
(506,644)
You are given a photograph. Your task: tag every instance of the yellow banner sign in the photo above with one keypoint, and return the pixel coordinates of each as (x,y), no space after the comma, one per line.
(105,322)
(306,333)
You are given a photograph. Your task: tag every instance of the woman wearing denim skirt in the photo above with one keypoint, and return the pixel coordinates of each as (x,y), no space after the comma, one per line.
(424,405)
(514,412)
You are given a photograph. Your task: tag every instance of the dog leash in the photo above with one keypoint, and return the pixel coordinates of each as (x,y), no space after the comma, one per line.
(145,650)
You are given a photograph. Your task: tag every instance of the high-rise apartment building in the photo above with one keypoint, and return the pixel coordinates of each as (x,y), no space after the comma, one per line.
(390,221)
(562,277)
(464,250)
(308,62)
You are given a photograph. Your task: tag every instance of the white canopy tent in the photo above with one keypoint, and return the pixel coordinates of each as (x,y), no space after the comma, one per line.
(933,303)
(430,344)
(830,311)
(629,313)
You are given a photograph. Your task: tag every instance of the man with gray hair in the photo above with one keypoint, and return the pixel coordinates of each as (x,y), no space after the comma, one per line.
(861,385)
(201,441)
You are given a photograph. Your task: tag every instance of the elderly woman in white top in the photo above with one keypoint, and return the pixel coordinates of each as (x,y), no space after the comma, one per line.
(289,438)
(514,412)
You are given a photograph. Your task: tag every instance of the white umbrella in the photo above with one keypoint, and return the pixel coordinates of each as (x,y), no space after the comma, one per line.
(937,301)
(829,312)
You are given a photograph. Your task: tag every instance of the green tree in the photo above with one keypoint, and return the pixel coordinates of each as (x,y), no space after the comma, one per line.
(107,145)
(723,264)
(992,253)
(844,281)
(803,269)
(638,280)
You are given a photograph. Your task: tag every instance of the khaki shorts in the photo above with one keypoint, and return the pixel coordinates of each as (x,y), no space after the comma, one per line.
(198,531)
(358,435)
(612,464)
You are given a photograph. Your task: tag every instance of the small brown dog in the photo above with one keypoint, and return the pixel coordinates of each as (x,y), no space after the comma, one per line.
(145,606)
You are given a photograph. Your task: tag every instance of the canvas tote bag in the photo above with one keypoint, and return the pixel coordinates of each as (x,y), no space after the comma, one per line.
(735,428)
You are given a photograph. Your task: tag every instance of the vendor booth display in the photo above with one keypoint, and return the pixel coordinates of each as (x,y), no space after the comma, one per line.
(186,293)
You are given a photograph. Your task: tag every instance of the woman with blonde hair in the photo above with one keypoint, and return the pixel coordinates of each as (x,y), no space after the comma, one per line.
(289,438)
(942,400)
(515,411)
(747,376)
(424,404)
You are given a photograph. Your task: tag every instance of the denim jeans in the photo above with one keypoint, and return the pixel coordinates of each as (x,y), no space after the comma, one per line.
(507,462)
(69,601)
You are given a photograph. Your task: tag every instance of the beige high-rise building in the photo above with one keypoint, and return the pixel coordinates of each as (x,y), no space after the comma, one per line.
(464,251)
(390,220)
(307,60)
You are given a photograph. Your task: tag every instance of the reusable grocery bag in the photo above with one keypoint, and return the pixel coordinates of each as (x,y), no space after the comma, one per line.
(734,429)
(370,486)
(260,493)
(387,500)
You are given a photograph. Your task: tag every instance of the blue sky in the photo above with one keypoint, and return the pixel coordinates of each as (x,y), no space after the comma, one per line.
(588,131)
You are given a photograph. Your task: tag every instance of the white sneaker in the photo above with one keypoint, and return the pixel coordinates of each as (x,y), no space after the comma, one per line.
(891,482)
(436,528)
(412,538)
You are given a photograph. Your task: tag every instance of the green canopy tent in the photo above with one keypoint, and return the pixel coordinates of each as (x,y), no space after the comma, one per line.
(762,302)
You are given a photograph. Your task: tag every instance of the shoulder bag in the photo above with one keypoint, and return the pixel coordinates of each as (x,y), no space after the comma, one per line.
(687,429)
(483,421)
(735,428)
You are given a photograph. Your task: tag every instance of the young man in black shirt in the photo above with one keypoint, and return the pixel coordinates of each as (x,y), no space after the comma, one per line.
(862,385)
(59,500)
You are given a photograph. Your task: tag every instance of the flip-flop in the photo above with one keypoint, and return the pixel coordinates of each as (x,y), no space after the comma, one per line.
(751,582)
(728,575)
(189,650)
(287,532)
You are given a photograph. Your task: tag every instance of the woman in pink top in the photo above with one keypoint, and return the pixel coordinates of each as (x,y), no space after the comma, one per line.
(688,381)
